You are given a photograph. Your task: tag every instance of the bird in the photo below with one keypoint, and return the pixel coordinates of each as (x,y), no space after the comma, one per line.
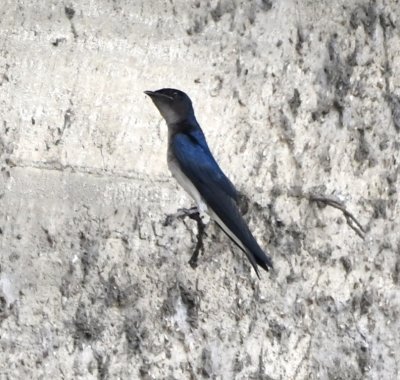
(194,167)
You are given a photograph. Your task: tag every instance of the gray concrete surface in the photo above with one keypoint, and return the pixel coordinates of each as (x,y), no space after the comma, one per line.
(298,99)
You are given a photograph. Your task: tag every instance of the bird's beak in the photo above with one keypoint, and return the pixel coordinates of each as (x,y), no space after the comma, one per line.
(156,95)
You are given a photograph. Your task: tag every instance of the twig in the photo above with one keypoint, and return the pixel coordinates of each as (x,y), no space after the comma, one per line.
(192,213)
(199,245)
(352,222)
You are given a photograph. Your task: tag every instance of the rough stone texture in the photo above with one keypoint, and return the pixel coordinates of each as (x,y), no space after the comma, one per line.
(298,99)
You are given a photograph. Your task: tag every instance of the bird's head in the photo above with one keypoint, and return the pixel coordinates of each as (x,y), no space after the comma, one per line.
(174,105)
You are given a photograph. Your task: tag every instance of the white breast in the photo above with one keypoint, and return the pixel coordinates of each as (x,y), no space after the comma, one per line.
(184,181)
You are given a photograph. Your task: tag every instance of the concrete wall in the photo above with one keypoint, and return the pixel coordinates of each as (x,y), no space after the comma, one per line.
(298,100)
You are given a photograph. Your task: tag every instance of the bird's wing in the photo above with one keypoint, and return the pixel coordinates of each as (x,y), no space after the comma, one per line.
(199,166)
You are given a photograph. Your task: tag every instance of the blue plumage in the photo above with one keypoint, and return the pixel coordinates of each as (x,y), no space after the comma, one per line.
(197,162)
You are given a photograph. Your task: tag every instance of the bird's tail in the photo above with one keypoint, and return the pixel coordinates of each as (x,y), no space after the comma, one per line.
(234,226)
(263,260)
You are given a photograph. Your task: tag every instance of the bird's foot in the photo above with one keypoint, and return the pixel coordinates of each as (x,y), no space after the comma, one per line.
(190,212)
(180,214)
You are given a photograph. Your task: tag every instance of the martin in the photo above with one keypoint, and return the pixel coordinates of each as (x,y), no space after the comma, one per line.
(194,167)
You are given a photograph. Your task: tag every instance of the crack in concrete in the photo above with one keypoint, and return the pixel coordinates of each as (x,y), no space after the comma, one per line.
(96,172)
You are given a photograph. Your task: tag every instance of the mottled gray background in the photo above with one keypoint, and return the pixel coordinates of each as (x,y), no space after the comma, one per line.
(298,99)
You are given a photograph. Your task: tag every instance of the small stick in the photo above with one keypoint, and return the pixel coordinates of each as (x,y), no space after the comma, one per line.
(351,220)
(192,213)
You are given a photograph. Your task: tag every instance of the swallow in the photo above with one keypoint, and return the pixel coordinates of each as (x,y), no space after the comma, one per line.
(192,164)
